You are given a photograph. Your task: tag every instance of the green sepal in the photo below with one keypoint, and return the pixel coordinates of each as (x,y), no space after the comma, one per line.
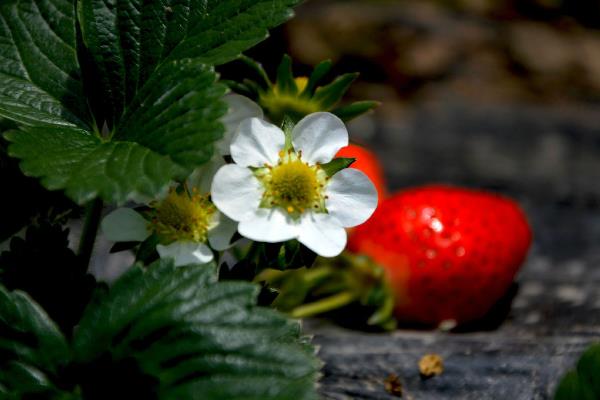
(258,70)
(350,289)
(351,111)
(285,77)
(294,255)
(146,252)
(336,165)
(254,87)
(315,77)
(239,88)
(327,96)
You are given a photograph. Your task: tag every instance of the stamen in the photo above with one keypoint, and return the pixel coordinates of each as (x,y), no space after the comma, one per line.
(293,185)
(181,216)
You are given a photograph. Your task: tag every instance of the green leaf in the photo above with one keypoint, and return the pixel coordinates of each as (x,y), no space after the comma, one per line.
(28,336)
(167,131)
(23,377)
(177,113)
(337,164)
(40,82)
(85,167)
(354,110)
(129,39)
(588,368)
(330,94)
(572,387)
(584,382)
(222,29)
(156,107)
(194,338)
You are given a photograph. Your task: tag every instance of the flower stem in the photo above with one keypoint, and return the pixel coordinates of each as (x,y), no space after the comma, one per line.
(93,212)
(324,305)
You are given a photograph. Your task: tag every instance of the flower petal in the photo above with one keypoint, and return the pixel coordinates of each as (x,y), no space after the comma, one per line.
(201,178)
(125,225)
(240,108)
(220,236)
(186,253)
(257,143)
(269,225)
(236,192)
(352,197)
(322,234)
(320,136)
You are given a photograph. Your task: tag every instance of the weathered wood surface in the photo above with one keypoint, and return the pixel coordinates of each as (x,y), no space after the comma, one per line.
(549,160)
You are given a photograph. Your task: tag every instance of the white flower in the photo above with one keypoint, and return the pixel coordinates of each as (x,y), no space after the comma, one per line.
(278,192)
(240,108)
(185,224)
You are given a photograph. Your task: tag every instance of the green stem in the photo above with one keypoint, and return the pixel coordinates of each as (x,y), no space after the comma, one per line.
(324,305)
(93,212)
(253,251)
(315,275)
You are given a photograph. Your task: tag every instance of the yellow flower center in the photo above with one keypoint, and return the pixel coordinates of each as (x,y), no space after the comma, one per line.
(293,185)
(183,216)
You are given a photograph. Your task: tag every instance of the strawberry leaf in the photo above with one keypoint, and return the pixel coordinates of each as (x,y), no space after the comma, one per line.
(139,67)
(196,338)
(168,130)
(40,79)
(28,336)
(582,383)
(158,333)
(129,39)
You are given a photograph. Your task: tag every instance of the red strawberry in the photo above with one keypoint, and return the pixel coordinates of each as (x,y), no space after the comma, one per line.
(449,253)
(367,162)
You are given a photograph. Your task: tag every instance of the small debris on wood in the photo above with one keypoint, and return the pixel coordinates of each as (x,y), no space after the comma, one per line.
(431,365)
(393,385)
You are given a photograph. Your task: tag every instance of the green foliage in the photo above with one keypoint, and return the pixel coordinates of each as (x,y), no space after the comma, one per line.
(295,98)
(86,167)
(40,78)
(32,348)
(160,333)
(583,383)
(350,289)
(113,95)
(42,265)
